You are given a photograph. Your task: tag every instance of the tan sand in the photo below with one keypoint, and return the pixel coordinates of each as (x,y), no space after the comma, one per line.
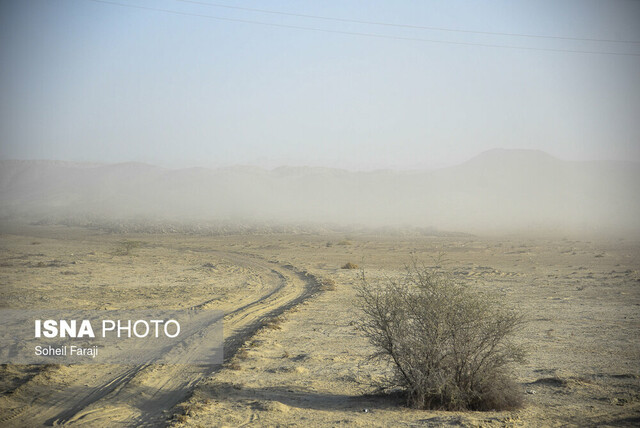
(309,366)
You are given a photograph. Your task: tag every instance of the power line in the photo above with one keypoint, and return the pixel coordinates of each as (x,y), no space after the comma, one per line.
(418,27)
(372,35)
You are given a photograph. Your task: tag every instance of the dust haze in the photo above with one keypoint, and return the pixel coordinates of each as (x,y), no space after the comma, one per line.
(257,159)
(496,191)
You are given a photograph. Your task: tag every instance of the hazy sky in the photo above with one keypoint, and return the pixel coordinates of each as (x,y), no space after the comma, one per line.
(84,80)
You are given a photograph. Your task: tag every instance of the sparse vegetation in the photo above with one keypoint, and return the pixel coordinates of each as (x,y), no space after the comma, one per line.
(242,354)
(350,265)
(125,247)
(234,366)
(274,323)
(187,409)
(449,345)
(327,284)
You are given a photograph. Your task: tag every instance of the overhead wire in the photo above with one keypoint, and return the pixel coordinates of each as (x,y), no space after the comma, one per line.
(363,34)
(409,26)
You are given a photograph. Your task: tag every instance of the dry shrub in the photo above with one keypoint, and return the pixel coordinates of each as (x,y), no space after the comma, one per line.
(449,345)
(350,265)
(327,284)
(180,417)
(125,247)
(242,354)
(274,323)
(234,366)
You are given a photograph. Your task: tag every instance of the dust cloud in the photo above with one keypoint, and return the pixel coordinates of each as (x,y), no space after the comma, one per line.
(499,190)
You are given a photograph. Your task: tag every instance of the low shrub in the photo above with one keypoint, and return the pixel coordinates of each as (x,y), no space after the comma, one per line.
(350,265)
(449,345)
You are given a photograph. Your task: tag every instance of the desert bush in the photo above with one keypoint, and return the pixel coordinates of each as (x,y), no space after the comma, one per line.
(274,323)
(350,265)
(234,366)
(242,354)
(327,284)
(125,247)
(449,346)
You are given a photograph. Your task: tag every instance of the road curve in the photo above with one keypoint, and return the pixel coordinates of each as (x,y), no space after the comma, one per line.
(144,395)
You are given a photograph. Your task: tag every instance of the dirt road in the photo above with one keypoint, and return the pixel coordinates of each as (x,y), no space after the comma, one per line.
(108,395)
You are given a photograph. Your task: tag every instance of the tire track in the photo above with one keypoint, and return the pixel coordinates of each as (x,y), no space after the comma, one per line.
(144,395)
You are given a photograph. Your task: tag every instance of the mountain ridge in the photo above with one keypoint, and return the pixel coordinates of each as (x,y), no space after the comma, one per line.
(499,189)
(492,155)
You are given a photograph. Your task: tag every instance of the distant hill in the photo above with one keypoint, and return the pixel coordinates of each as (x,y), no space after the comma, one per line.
(497,190)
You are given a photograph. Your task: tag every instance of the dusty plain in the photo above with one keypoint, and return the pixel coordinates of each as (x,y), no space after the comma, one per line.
(293,355)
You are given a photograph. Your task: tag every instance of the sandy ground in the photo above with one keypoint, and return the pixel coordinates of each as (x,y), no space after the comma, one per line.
(293,354)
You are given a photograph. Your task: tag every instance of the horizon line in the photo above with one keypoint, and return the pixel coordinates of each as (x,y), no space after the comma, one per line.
(415,168)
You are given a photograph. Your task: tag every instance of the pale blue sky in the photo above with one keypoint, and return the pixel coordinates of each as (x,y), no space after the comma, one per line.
(89,81)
